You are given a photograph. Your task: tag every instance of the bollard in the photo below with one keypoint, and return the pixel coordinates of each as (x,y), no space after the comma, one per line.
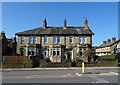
(83,69)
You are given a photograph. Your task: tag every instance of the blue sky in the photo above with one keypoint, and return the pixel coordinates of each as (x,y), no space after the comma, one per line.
(102,17)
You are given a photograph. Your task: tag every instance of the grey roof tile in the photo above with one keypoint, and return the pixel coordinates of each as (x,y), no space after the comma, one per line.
(57,30)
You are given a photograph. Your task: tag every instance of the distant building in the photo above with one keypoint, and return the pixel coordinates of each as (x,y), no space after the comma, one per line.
(108,47)
(8,45)
(52,42)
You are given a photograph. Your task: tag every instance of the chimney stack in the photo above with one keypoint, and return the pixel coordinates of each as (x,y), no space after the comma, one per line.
(65,23)
(108,41)
(104,42)
(2,34)
(86,22)
(44,23)
(113,39)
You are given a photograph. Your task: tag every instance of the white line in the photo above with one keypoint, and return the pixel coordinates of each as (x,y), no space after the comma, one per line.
(99,80)
(114,73)
(66,75)
(78,74)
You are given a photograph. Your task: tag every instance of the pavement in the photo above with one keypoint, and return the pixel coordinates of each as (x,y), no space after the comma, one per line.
(60,68)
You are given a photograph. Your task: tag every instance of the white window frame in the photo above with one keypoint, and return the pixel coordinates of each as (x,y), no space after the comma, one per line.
(54,49)
(57,49)
(58,38)
(70,39)
(30,39)
(31,49)
(46,37)
(34,39)
(82,40)
(55,38)
(22,39)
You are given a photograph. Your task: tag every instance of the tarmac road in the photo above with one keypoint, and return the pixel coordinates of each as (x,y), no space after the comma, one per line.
(62,76)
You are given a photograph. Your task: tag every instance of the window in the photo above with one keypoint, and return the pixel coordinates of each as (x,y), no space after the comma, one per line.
(35,39)
(45,39)
(32,39)
(23,39)
(71,39)
(56,39)
(56,52)
(31,51)
(82,40)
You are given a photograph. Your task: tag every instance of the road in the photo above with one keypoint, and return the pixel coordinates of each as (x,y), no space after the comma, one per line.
(61,76)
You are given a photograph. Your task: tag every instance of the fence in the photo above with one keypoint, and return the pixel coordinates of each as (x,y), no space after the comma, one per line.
(16,61)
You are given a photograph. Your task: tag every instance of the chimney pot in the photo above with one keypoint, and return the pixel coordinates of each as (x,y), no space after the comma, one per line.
(113,39)
(104,42)
(108,41)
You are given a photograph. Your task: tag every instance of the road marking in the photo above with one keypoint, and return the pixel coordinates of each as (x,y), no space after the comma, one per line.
(98,80)
(78,74)
(26,77)
(68,75)
(114,73)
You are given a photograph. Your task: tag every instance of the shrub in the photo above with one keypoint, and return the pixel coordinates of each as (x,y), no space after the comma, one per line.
(109,57)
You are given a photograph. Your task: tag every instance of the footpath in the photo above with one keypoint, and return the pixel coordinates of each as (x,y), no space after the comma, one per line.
(59,68)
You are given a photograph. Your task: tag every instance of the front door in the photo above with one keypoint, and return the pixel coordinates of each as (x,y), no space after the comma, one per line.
(45,53)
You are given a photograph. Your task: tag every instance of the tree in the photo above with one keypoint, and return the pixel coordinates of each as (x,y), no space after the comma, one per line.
(88,54)
(67,54)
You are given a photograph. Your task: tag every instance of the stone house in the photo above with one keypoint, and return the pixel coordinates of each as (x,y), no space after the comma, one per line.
(52,42)
(8,45)
(108,47)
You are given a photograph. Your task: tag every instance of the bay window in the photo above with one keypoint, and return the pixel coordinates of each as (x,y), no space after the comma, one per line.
(31,51)
(56,51)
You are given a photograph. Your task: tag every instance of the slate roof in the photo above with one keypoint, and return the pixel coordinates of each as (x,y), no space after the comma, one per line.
(57,31)
(108,44)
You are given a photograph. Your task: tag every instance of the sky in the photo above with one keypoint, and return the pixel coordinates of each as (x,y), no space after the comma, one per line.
(102,17)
